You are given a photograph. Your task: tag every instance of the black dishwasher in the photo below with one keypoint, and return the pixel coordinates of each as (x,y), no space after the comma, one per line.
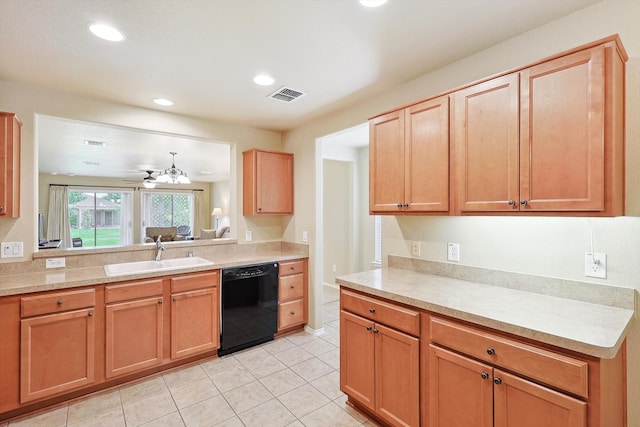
(249,306)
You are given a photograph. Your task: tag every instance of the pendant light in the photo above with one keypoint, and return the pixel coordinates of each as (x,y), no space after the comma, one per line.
(173,175)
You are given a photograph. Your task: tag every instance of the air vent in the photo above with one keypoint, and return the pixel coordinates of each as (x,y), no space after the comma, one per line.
(89,163)
(95,143)
(286,94)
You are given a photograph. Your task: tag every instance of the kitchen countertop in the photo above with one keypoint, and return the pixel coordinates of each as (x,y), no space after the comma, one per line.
(592,329)
(64,278)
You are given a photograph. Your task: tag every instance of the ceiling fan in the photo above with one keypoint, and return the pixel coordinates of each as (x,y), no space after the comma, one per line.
(148,181)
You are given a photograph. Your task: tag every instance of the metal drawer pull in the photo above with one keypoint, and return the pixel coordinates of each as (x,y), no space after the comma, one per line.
(375,331)
(90,314)
(372,310)
(175,299)
(484,375)
(59,302)
(293,312)
(160,302)
(293,287)
(491,351)
(369,328)
(497,380)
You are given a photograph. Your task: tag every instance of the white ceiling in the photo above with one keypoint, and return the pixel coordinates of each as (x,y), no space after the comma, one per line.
(203,54)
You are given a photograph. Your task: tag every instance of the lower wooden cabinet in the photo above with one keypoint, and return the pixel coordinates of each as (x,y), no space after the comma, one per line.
(379,364)
(292,295)
(465,392)
(195,314)
(57,343)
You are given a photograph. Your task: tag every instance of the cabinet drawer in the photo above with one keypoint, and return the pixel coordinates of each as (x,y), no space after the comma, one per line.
(290,314)
(291,267)
(132,290)
(291,287)
(389,314)
(554,369)
(195,281)
(58,302)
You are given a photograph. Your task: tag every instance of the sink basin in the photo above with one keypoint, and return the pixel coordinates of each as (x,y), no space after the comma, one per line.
(140,267)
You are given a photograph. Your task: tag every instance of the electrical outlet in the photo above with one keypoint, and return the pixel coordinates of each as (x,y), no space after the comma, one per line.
(453,252)
(248,236)
(595,265)
(333,267)
(55,262)
(415,248)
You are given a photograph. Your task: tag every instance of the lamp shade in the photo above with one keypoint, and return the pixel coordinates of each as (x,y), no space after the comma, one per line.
(216,212)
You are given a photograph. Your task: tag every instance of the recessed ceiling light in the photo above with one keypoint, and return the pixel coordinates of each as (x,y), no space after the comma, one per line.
(372,3)
(163,102)
(106,32)
(263,80)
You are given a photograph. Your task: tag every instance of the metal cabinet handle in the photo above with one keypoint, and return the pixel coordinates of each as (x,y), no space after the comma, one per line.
(484,375)
(160,302)
(293,287)
(375,331)
(59,302)
(372,310)
(512,203)
(399,205)
(175,299)
(293,312)
(1,208)
(406,205)
(90,314)
(369,328)
(497,380)
(491,351)
(523,202)
(259,209)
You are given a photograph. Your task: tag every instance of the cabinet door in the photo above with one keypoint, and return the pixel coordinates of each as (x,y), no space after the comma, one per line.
(386,162)
(486,145)
(426,186)
(520,403)
(57,353)
(562,133)
(357,359)
(274,183)
(133,336)
(194,322)
(396,375)
(9,165)
(460,391)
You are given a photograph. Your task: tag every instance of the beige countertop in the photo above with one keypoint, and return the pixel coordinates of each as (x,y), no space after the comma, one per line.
(64,278)
(588,328)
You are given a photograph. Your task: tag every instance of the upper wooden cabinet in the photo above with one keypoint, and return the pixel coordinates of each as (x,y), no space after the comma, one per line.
(267,183)
(545,139)
(554,146)
(9,165)
(409,159)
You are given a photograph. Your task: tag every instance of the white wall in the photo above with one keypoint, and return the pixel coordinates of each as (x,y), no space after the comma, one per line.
(26,101)
(541,246)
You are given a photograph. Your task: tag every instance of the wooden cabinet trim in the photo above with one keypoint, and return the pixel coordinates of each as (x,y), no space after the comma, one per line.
(556,370)
(10,135)
(133,290)
(195,281)
(392,315)
(57,302)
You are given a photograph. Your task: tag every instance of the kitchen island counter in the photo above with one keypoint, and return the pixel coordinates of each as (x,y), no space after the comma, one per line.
(585,327)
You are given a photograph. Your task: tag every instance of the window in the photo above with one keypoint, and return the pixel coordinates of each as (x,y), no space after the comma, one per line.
(378,240)
(166,210)
(99,217)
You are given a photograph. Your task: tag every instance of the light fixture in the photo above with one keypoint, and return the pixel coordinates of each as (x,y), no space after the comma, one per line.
(163,101)
(217,212)
(263,80)
(173,175)
(149,181)
(106,32)
(372,3)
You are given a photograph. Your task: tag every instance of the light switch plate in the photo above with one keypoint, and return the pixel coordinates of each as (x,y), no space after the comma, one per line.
(11,249)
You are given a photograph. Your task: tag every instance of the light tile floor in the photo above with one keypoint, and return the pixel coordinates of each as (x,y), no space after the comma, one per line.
(292,381)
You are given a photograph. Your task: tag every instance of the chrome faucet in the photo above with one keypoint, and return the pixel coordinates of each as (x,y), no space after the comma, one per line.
(159,248)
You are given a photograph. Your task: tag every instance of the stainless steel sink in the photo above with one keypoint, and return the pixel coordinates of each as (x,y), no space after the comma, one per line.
(141,267)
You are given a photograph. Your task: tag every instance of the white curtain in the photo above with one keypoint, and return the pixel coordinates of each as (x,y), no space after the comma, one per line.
(126,219)
(58,217)
(199,213)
